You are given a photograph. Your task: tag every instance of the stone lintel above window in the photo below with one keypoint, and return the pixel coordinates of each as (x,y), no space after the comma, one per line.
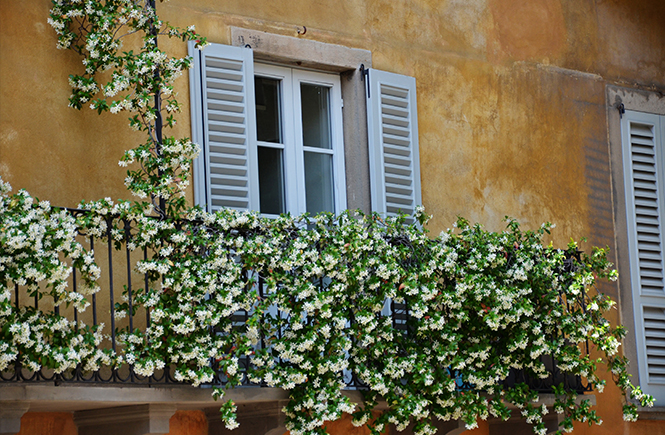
(298,52)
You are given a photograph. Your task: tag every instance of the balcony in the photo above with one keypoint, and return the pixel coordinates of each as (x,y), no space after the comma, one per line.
(111,387)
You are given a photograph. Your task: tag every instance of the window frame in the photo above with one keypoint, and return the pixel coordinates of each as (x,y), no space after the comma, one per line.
(292,131)
(326,57)
(224,173)
(288,134)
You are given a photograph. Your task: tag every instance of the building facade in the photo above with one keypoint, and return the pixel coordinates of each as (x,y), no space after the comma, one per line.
(547,110)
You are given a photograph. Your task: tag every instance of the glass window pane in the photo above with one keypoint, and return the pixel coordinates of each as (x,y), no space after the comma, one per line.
(271,180)
(315,102)
(319,182)
(268,123)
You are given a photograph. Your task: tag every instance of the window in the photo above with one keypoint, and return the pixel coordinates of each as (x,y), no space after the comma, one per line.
(643,148)
(299,140)
(273,137)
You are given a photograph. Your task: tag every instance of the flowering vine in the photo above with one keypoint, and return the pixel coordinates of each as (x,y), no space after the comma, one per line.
(318,294)
(38,250)
(140,83)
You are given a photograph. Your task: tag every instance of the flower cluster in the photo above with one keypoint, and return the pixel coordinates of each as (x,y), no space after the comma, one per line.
(38,252)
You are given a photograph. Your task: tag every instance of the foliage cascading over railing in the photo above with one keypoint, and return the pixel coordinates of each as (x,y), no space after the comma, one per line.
(480,303)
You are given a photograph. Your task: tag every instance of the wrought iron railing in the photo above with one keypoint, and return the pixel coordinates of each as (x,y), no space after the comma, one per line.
(117,262)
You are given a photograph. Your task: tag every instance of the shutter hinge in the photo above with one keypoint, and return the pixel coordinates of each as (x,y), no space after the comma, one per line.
(622,110)
(364,74)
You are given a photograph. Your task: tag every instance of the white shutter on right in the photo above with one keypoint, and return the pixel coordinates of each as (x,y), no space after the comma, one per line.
(644,164)
(224,124)
(393,143)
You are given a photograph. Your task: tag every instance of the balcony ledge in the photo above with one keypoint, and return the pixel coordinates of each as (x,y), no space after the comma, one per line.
(69,398)
(149,408)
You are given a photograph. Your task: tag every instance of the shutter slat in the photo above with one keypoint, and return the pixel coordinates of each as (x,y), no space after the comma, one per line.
(657,371)
(235,128)
(391,101)
(224,116)
(646,194)
(229,190)
(392,169)
(397,161)
(648,160)
(394,130)
(398,179)
(389,139)
(230,169)
(653,266)
(648,222)
(647,169)
(231,180)
(226,201)
(657,334)
(653,313)
(399,189)
(647,273)
(649,256)
(641,140)
(225,86)
(657,352)
(638,148)
(226,106)
(395,209)
(648,238)
(400,121)
(652,285)
(400,151)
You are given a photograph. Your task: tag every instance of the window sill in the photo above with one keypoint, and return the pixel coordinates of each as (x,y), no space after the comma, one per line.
(654,413)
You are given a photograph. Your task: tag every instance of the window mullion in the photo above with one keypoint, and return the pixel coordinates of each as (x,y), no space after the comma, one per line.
(339,172)
(299,161)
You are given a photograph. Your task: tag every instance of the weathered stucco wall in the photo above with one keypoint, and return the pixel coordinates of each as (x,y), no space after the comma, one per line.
(512,108)
(510,105)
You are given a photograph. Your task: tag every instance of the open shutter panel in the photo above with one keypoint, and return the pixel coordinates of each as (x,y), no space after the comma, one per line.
(643,163)
(227,173)
(393,143)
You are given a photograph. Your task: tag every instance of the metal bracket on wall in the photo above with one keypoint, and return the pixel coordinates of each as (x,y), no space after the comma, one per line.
(622,110)
(364,74)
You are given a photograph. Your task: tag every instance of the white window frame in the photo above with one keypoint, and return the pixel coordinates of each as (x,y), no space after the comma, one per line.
(292,134)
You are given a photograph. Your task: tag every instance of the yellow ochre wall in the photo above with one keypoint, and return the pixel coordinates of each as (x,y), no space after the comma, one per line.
(511,105)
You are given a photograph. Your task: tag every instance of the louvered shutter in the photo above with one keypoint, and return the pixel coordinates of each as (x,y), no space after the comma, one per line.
(644,179)
(393,143)
(224,124)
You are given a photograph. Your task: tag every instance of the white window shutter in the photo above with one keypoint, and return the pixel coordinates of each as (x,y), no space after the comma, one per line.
(644,167)
(224,125)
(393,143)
